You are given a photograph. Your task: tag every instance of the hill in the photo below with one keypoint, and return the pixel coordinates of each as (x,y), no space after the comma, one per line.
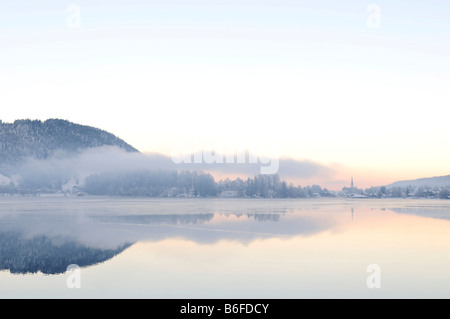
(26,138)
(431,182)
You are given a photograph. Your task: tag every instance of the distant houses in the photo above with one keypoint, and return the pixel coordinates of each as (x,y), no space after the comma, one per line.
(353,191)
(198,184)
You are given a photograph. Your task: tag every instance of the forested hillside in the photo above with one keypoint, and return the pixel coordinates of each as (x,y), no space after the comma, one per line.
(37,139)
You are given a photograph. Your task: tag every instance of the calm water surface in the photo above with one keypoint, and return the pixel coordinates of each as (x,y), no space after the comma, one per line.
(224,248)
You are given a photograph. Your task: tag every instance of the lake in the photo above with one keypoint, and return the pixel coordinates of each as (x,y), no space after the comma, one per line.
(223,248)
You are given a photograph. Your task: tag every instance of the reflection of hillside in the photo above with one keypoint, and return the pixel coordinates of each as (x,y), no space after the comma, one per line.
(112,231)
(47,236)
(48,255)
(431,212)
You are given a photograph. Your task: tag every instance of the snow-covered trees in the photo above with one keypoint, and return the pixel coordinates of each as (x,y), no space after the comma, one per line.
(26,138)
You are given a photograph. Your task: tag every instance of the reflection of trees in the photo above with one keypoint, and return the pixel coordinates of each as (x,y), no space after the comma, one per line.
(158,219)
(48,255)
(182,219)
(265,217)
(259,217)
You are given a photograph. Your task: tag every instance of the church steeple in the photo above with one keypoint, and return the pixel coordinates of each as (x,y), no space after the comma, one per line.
(351,185)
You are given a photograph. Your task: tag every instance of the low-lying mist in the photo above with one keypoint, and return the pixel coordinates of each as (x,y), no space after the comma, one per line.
(117,169)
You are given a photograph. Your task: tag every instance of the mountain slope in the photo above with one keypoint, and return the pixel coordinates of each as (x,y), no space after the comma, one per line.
(437,181)
(27,138)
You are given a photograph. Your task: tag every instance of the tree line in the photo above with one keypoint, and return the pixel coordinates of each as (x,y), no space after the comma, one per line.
(173,183)
(194,184)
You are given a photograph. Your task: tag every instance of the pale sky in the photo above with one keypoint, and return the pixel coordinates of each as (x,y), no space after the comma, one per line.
(359,85)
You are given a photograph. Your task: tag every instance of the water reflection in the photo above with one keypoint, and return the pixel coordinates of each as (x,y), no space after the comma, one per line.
(47,235)
(49,255)
(37,236)
(438,212)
